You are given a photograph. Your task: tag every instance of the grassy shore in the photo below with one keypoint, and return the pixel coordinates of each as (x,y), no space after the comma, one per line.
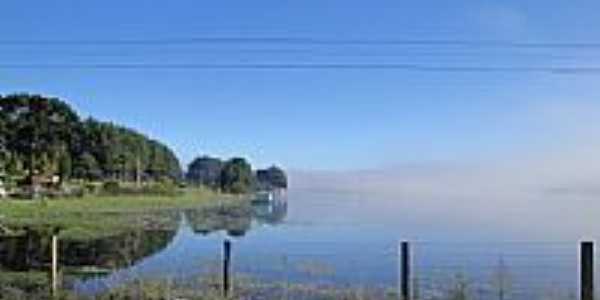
(97,216)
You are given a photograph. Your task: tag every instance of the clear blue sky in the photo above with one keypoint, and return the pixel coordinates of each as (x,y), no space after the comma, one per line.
(315,118)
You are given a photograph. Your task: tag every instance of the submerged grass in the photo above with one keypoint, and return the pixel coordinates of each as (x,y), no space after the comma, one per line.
(98,216)
(208,289)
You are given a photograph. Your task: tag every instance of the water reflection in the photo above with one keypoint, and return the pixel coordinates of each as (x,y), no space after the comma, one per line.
(237,220)
(196,242)
(31,251)
(273,213)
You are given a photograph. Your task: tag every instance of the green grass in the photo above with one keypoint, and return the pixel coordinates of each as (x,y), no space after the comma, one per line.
(246,288)
(98,216)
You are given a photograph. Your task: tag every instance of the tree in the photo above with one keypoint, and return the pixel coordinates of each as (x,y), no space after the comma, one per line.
(36,127)
(86,167)
(45,136)
(122,152)
(236,176)
(271,178)
(14,165)
(65,167)
(205,171)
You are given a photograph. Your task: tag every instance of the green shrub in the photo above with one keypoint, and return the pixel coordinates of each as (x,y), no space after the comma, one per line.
(93,188)
(163,188)
(111,188)
(17,285)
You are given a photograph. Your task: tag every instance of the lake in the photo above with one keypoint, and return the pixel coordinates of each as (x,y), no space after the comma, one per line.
(335,239)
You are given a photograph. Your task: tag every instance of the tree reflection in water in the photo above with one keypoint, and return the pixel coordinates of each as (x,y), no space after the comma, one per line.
(30,252)
(238,219)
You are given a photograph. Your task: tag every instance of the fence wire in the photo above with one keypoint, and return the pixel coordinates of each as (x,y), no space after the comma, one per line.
(438,271)
(501,271)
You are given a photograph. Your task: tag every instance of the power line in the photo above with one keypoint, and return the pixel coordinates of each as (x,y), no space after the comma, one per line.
(304,41)
(312,51)
(332,66)
(283,56)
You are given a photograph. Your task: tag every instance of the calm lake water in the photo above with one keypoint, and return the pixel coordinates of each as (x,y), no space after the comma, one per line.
(340,239)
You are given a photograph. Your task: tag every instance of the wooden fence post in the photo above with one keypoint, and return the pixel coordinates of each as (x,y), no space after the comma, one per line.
(226,268)
(405,270)
(54,272)
(587,270)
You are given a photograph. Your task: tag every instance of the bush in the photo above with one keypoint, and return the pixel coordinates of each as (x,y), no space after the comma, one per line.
(111,188)
(19,285)
(161,189)
(93,188)
(164,188)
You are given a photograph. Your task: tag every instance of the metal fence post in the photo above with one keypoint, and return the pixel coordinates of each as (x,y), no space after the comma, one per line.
(587,270)
(226,268)
(405,270)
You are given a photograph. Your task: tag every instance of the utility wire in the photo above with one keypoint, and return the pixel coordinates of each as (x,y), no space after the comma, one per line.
(305,41)
(308,66)
(313,52)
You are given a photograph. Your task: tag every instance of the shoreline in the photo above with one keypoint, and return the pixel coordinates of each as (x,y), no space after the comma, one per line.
(86,218)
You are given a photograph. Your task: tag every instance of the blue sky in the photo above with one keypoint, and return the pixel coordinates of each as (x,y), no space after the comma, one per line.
(316,118)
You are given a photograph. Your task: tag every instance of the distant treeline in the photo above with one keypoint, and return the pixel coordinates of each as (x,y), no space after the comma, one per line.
(45,136)
(234,175)
(42,137)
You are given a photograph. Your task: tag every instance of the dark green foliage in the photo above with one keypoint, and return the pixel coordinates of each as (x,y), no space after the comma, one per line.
(65,168)
(163,188)
(40,135)
(44,136)
(234,176)
(22,285)
(205,171)
(237,177)
(111,188)
(13,165)
(38,131)
(86,167)
(120,153)
(271,178)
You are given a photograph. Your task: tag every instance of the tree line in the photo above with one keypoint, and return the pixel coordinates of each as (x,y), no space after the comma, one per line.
(234,175)
(44,136)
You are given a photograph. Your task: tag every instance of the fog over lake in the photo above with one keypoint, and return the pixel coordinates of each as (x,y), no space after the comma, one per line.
(552,197)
